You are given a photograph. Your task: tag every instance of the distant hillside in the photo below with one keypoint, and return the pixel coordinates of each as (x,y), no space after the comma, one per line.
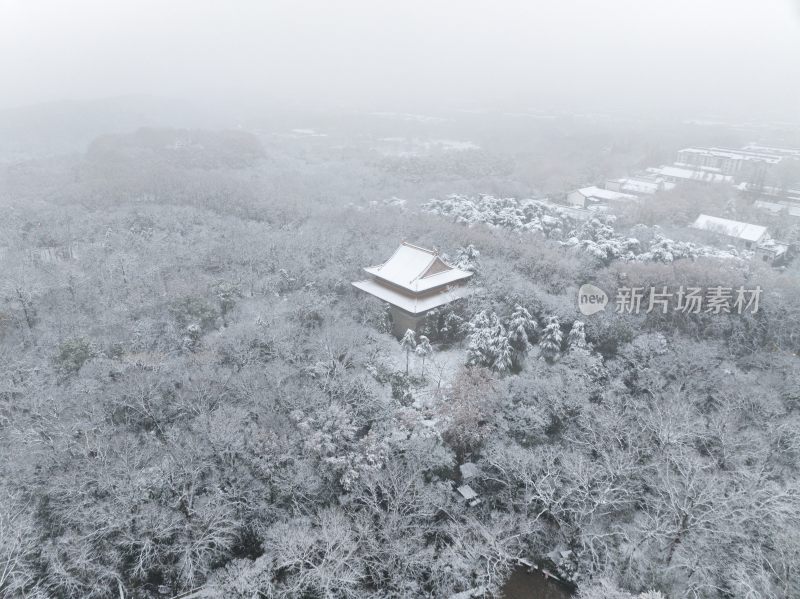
(63,127)
(183,148)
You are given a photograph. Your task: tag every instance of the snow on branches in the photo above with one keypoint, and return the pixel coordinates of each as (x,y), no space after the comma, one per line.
(595,236)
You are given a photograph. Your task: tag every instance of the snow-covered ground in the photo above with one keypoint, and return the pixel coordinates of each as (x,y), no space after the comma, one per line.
(440,369)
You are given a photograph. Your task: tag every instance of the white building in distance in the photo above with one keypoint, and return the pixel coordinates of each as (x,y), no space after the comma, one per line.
(588,197)
(772,150)
(639,185)
(782,208)
(739,233)
(724,160)
(677,174)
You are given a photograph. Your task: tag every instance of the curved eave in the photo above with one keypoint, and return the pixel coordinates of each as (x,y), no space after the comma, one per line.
(412,305)
(448,277)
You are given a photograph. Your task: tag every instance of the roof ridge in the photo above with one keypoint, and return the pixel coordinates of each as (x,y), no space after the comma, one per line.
(425,269)
(397,249)
(441,272)
(417,247)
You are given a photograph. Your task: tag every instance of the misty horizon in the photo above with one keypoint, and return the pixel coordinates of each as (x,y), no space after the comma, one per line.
(730,60)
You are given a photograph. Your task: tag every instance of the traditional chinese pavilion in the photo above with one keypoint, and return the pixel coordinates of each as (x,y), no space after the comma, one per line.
(414,281)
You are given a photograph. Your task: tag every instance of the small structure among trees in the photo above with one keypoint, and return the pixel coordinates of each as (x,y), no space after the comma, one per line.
(733,231)
(588,197)
(414,281)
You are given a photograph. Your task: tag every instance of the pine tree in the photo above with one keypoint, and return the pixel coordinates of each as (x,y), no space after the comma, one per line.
(550,343)
(577,336)
(467,258)
(489,344)
(479,348)
(503,353)
(423,350)
(453,327)
(521,326)
(408,343)
(482,320)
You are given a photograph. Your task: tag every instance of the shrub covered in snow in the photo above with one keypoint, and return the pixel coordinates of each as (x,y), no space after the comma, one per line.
(500,345)
(506,213)
(595,236)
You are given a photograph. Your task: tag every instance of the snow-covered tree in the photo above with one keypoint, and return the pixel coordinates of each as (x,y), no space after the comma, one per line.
(577,336)
(467,410)
(605,589)
(597,236)
(444,324)
(503,352)
(480,348)
(17,549)
(489,345)
(507,213)
(452,327)
(227,293)
(423,350)
(521,327)
(408,343)
(73,354)
(467,258)
(482,320)
(550,340)
(192,337)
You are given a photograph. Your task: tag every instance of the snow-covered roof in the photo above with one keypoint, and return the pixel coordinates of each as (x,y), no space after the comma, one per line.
(778,207)
(689,174)
(772,150)
(788,196)
(699,167)
(731,228)
(467,492)
(572,211)
(413,305)
(777,248)
(417,269)
(771,206)
(598,193)
(744,154)
(646,185)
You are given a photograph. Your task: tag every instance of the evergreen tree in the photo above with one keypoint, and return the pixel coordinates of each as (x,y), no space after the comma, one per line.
(479,348)
(467,258)
(504,354)
(550,342)
(577,336)
(521,327)
(423,350)
(489,344)
(408,343)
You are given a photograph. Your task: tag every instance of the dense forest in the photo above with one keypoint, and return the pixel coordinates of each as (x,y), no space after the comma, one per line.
(193,396)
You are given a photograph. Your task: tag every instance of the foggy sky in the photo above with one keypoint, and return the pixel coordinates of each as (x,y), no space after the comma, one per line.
(694,57)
